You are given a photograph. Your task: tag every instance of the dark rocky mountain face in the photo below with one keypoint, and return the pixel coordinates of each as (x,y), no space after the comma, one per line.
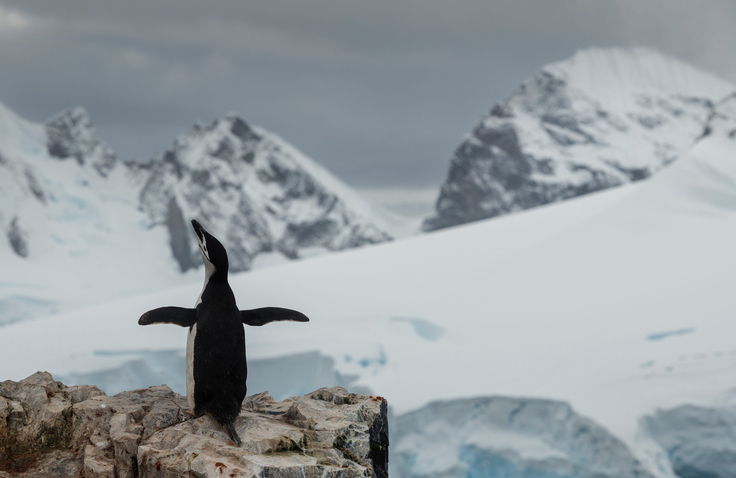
(601,119)
(251,190)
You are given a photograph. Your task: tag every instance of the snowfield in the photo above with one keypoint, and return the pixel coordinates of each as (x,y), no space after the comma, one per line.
(620,303)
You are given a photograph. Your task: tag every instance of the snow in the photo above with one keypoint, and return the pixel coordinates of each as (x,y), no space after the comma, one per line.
(82,230)
(614,74)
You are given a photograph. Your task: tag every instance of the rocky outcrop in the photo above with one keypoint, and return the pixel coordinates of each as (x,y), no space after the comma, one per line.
(17,238)
(70,134)
(51,430)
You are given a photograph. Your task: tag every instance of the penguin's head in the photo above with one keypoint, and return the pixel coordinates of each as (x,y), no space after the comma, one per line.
(213,252)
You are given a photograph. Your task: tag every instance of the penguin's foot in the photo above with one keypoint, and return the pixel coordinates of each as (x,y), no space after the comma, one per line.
(190,414)
(232,433)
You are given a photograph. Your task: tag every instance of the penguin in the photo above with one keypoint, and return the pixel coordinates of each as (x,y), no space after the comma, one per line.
(216,367)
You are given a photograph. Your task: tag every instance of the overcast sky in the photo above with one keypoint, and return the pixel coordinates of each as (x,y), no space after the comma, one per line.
(378,91)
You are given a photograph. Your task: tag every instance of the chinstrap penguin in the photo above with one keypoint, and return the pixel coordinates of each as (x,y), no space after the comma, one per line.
(216,367)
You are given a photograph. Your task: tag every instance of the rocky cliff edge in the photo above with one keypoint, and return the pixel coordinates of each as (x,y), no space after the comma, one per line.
(51,430)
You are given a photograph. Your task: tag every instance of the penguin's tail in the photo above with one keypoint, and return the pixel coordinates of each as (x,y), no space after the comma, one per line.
(231,432)
(226,419)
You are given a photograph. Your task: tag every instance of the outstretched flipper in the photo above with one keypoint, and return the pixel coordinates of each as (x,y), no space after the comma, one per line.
(169,315)
(265,315)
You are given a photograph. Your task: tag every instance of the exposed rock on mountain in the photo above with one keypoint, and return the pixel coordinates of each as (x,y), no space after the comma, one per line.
(50,430)
(70,134)
(602,118)
(253,191)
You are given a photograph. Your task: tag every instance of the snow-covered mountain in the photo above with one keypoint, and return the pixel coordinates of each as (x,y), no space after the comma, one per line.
(255,192)
(69,220)
(68,204)
(602,118)
(619,303)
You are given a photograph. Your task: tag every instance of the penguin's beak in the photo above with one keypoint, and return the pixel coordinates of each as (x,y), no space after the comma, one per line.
(202,239)
(199,230)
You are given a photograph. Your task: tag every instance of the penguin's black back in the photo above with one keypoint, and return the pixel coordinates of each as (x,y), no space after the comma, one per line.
(220,368)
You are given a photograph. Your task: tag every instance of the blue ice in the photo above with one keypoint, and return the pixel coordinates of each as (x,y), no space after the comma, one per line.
(670,333)
(423,327)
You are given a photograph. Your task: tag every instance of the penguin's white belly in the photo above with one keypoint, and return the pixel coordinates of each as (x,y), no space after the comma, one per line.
(190,366)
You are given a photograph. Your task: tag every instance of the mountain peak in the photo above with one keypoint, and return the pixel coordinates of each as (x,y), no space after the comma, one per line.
(602,118)
(71,134)
(254,191)
(609,73)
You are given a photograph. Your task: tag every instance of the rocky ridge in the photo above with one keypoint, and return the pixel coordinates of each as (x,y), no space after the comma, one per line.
(51,430)
(602,118)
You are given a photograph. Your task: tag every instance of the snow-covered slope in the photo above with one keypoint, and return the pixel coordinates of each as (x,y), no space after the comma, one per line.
(74,219)
(619,303)
(602,118)
(69,220)
(256,192)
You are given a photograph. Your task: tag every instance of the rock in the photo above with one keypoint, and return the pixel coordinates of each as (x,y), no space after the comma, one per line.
(51,430)
(71,135)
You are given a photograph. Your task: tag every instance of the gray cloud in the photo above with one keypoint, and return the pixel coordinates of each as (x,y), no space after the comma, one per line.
(380,92)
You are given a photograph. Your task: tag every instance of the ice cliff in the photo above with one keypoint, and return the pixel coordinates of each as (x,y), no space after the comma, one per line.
(508,437)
